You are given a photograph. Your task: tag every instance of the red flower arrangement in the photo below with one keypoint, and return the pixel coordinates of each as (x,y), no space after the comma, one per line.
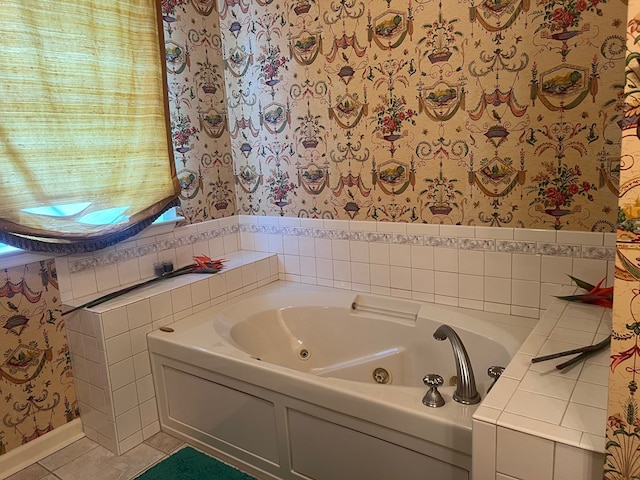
(560,15)
(390,117)
(557,186)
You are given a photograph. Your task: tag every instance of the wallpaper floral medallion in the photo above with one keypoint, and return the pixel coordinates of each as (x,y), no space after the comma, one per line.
(37,392)
(466,112)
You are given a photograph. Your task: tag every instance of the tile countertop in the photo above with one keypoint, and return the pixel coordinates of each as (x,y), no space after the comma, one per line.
(569,406)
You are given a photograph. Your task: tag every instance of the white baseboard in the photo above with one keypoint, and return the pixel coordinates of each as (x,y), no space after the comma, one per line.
(24,455)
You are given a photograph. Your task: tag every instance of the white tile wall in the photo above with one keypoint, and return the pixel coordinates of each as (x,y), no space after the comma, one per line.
(501,270)
(518,271)
(523,456)
(109,346)
(550,423)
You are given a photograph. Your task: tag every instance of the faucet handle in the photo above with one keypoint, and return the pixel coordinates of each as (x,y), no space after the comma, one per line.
(494,372)
(433,398)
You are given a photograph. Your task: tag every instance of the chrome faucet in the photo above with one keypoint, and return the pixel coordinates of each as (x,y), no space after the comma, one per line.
(466,392)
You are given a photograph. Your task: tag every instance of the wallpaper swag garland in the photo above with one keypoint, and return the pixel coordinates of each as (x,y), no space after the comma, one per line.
(37,392)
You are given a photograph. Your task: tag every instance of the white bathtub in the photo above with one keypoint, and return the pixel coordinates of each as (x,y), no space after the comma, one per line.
(282,382)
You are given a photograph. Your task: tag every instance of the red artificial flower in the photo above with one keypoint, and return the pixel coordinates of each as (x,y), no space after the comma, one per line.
(596,294)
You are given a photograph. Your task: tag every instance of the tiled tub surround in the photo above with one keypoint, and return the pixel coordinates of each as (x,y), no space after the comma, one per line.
(502,270)
(539,423)
(133,261)
(109,352)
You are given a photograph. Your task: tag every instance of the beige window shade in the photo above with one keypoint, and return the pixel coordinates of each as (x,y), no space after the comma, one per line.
(85,152)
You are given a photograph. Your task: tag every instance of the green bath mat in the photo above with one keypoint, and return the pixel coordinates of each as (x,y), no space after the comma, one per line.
(190,464)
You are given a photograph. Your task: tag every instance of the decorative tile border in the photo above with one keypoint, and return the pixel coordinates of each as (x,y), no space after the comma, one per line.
(511,246)
(598,253)
(559,250)
(487,245)
(446,242)
(476,244)
(147,249)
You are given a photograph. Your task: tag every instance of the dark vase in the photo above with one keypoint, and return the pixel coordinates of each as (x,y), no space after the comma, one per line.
(440,210)
(351,207)
(557,212)
(302,8)
(565,35)
(440,56)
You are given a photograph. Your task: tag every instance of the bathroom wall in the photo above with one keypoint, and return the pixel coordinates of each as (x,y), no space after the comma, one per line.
(503,270)
(198,109)
(506,134)
(485,113)
(36,378)
(623,439)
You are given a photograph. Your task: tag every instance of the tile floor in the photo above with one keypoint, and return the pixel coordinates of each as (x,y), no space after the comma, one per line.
(85,459)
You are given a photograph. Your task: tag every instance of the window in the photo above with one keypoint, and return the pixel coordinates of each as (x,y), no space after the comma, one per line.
(85,145)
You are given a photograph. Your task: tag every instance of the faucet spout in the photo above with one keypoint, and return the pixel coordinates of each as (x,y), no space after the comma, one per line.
(466,392)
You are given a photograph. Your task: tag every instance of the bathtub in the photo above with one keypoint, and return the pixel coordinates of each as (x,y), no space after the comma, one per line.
(299,382)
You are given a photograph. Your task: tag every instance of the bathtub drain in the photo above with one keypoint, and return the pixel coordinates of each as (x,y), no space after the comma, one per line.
(304,354)
(381,375)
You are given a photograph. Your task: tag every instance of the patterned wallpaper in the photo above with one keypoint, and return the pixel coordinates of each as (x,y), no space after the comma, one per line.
(198,109)
(495,113)
(37,392)
(623,425)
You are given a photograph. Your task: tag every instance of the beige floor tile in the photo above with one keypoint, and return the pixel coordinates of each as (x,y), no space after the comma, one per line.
(101,464)
(67,454)
(164,442)
(32,472)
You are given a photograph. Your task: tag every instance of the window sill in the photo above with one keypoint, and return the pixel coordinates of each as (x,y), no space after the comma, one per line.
(12,257)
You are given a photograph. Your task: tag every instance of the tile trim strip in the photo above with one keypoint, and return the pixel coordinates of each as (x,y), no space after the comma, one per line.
(462,243)
(148,249)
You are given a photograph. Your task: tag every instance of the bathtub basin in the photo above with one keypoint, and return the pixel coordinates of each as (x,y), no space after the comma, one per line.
(294,382)
(354,336)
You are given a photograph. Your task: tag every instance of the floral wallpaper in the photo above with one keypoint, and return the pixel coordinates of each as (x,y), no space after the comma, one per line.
(198,110)
(474,112)
(623,425)
(37,392)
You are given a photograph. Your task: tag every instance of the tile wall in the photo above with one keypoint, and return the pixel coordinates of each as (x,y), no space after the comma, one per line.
(512,271)
(108,343)
(503,270)
(527,457)
(132,261)
(109,346)
(542,423)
